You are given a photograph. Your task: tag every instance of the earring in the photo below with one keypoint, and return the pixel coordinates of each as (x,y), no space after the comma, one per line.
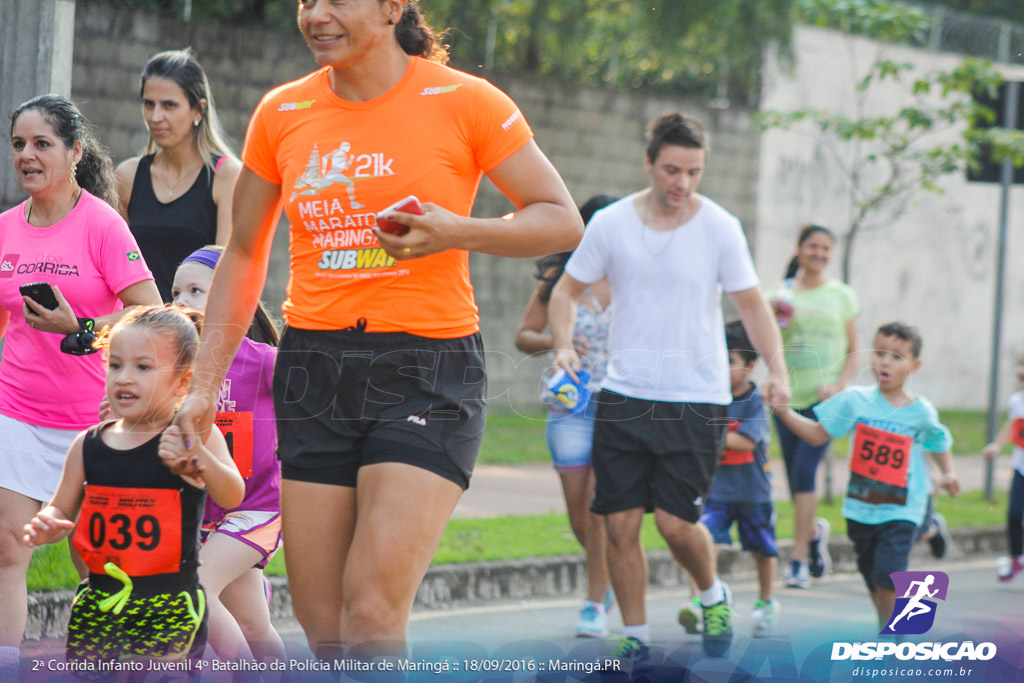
(74,171)
(391,22)
(195,124)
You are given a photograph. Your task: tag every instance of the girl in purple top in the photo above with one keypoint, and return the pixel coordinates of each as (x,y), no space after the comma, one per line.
(239,542)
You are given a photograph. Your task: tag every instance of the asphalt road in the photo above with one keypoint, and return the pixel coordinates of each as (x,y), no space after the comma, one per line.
(523,639)
(977,608)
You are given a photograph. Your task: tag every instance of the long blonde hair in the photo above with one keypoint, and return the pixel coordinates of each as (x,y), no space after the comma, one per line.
(181,67)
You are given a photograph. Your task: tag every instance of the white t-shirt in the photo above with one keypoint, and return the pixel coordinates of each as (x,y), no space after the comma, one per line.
(1016,412)
(667,334)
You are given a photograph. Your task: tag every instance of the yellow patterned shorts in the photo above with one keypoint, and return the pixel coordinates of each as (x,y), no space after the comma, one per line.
(118,626)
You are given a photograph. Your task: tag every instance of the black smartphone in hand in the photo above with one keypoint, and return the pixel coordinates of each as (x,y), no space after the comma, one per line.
(41,293)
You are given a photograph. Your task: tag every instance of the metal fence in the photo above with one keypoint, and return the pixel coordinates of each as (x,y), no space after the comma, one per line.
(970,34)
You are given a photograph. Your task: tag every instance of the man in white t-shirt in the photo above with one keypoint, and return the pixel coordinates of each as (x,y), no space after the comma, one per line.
(668,253)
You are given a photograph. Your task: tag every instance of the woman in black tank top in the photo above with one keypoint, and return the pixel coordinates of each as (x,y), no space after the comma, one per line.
(177,197)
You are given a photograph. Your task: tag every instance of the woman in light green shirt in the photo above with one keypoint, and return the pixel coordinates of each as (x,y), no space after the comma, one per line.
(818,317)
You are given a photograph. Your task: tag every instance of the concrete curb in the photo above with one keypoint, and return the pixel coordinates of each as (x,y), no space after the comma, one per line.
(453,585)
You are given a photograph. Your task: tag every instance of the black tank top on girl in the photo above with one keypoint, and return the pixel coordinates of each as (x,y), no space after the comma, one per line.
(168,232)
(141,468)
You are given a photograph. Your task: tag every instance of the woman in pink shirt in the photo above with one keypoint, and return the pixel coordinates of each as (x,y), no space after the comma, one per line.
(68,235)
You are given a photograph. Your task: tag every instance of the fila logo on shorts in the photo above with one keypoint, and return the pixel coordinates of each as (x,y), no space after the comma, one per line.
(416,420)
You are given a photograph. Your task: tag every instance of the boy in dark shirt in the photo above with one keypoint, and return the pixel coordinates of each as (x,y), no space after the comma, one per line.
(742,491)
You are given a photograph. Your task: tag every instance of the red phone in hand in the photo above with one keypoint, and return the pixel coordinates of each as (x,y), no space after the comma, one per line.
(408,205)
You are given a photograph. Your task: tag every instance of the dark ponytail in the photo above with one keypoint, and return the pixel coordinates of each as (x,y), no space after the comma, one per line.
(550,268)
(95,172)
(805,233)
(417,38)
(792,269)
(263,330)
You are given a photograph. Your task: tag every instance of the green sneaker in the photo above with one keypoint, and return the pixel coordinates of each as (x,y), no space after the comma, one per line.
(630,649)
(718,625)
(764,616)
(691,617)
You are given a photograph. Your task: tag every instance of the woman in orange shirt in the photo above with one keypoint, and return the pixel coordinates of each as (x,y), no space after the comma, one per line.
(379,383)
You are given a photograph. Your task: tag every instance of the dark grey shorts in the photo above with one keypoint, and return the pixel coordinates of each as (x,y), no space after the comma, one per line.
(881,550)
(345,399)
(655,454)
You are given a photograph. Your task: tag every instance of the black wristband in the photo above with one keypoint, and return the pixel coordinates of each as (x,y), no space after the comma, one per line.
(79,343)
(87,324)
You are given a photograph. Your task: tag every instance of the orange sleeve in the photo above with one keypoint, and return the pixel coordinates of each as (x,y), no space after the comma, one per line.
(258,151)
(499,129)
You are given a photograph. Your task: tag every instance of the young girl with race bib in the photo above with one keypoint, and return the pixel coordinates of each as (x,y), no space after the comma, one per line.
(139,502)
(239,541)
(1008,568)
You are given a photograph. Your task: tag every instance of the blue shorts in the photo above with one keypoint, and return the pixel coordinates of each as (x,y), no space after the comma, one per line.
(571,438)
(755,521)
(881,550)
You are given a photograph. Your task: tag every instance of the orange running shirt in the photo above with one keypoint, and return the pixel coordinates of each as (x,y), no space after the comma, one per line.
(338,163)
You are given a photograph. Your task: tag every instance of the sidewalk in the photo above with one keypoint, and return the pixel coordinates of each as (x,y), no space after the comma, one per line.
(499,490)
(535,489)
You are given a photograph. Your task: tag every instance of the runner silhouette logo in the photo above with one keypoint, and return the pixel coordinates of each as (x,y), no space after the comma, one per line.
(914,612)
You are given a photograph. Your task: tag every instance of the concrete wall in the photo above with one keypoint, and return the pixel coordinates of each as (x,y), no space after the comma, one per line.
(44,31)
(594,137)
(934,266)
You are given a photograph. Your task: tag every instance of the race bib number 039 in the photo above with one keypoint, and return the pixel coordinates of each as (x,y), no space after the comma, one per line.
(139,530)
(879,465)
(237,431)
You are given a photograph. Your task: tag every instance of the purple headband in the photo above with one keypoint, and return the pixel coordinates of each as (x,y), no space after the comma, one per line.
(208,257)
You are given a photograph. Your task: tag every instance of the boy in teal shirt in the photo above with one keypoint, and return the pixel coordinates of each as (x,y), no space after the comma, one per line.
(888,490)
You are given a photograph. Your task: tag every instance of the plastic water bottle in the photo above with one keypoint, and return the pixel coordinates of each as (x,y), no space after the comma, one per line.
(782,304)
(559,389)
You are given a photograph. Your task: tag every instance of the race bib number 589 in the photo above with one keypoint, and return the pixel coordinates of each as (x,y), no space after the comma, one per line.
(879,465)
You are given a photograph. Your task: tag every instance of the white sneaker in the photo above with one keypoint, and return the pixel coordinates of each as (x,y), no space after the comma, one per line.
(1007,568)
(691,616)
(593,622)
(764,616)
(796,575)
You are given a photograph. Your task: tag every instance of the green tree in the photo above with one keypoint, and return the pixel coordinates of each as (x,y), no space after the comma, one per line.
(1001,9)
(704,47)
(885,160)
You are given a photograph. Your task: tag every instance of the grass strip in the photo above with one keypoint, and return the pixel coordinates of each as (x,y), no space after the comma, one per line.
(517,439)
(509,538)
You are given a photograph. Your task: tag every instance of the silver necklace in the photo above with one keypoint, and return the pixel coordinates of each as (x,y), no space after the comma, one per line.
(645,225)
(28,218)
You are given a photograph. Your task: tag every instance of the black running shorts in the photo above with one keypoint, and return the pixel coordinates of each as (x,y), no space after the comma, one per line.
(655,454)
(881,550)
(345,399)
